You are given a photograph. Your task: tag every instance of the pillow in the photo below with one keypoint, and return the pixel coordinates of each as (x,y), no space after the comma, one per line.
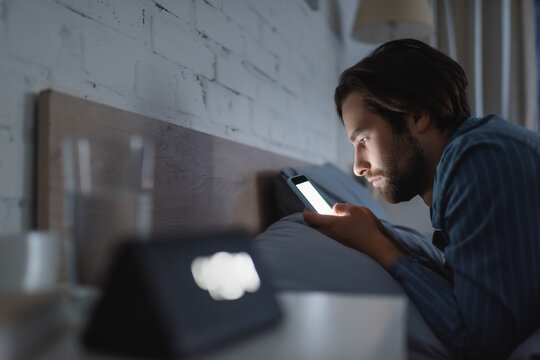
(298,257)
(529,349)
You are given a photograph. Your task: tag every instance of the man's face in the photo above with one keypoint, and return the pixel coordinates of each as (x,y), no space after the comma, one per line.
(393,163)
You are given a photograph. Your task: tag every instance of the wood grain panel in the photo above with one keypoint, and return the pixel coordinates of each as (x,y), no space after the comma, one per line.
(201,180)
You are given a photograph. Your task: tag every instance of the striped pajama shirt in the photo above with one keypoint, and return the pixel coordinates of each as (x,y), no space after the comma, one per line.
(486,202)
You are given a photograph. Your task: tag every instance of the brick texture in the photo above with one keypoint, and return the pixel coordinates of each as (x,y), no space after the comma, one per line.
(255,71)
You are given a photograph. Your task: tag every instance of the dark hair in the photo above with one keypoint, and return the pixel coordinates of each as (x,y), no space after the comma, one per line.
(407,76)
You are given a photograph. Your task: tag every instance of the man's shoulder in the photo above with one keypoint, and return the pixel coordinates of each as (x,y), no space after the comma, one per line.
(490,133)
(484,154)
(483,148)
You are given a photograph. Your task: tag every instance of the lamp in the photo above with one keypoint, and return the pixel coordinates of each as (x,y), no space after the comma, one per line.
(378,21)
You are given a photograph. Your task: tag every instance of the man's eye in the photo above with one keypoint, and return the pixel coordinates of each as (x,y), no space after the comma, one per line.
(363,141)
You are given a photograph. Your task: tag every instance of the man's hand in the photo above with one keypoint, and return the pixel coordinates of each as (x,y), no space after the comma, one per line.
(358,228)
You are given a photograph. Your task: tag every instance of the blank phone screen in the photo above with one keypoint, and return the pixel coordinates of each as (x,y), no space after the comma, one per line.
(314,198)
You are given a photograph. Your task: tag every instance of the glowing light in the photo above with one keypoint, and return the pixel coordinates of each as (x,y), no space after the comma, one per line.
(315,198)
(226,276)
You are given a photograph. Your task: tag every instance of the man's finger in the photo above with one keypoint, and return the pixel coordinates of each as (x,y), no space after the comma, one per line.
(314,219)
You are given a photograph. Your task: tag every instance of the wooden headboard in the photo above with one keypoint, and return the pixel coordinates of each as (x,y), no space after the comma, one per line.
(200,180)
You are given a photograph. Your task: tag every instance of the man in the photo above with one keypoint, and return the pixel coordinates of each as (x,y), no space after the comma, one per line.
(407,116)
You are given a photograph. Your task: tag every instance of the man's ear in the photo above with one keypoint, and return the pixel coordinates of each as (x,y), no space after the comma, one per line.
(420,121)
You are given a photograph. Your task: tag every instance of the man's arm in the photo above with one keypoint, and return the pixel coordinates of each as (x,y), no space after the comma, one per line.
(485,204)
(491,220)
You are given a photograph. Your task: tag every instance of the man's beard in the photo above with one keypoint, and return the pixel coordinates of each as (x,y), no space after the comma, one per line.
(403,169)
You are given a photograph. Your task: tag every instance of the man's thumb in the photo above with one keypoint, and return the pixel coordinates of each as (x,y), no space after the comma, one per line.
(342,209)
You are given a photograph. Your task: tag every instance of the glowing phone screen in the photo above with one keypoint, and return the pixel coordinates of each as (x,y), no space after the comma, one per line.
(315,199)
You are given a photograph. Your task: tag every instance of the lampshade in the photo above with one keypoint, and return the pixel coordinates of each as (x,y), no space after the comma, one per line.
(378,21)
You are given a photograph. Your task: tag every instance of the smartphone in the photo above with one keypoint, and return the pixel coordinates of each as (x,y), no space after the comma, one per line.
(311,198)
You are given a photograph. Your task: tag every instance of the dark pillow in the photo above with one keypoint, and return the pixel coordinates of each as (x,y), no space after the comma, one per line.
(529,349)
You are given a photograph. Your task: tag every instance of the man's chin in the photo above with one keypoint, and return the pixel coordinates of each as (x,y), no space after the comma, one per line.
(395,197)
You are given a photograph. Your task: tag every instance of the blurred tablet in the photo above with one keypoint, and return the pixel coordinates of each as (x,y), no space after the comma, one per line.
(175,296)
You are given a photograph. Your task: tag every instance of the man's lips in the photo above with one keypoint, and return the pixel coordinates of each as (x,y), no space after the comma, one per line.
(374,180)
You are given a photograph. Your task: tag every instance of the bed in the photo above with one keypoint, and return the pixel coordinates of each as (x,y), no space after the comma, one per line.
(196,171)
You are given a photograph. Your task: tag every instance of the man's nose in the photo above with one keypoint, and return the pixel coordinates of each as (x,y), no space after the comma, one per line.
(361,166)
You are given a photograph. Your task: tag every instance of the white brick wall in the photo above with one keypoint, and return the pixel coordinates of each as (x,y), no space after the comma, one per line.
(255,71)
(180,9)
(177,42)
(261,58)
(233,73)
(214,24)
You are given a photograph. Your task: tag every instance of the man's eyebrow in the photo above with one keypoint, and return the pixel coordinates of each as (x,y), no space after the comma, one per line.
(355,134)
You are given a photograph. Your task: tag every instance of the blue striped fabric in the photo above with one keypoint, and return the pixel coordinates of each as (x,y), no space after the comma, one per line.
(486,199)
